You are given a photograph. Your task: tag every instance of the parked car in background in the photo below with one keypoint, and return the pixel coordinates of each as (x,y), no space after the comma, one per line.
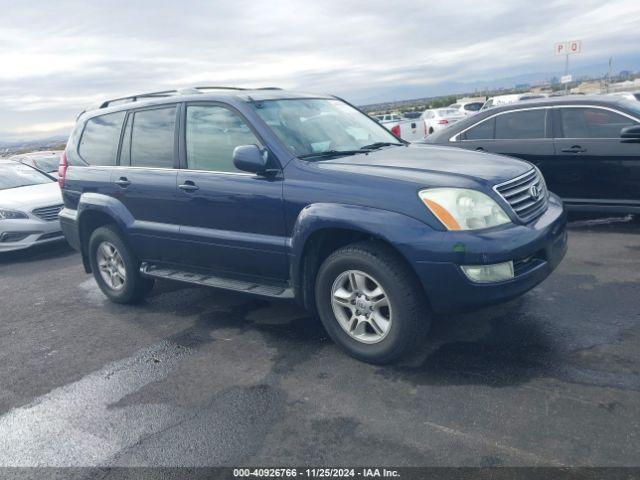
(439,118)
(588,148)
(389,117)
(467,108)
(409,129)
(288,195)
(632,96)
(29,204)
(499,100)
(45,161)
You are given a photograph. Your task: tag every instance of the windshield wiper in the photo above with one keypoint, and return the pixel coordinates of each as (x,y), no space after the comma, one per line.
(337,153)
(332,153)
(376,145)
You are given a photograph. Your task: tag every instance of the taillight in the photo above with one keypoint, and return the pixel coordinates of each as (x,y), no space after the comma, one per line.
(396,130)
(444,121)
(62,169)
(424,124)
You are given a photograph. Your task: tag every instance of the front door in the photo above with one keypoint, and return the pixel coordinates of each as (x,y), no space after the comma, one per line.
(230,221)
(592,165)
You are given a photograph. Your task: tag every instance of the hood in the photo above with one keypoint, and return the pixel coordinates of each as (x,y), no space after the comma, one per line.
(26,199)
(419,162)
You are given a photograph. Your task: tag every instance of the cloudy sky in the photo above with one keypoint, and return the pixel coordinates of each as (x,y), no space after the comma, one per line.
(58,56)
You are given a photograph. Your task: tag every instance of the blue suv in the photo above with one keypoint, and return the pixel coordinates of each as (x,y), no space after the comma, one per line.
(292,195)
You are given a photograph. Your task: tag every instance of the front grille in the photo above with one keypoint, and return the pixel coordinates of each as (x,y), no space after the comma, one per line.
(527,195)
(48,214)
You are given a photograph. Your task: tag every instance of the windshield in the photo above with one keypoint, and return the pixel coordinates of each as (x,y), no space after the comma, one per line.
(47,164)
(13,175)
(314,126)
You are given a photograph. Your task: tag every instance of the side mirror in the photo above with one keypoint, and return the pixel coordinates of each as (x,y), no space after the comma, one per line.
(249,158)
(630,134)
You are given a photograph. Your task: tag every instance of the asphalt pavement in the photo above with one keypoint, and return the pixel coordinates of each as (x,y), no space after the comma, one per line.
(200,377)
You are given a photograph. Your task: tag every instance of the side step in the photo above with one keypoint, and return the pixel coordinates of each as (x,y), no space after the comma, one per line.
(210,280)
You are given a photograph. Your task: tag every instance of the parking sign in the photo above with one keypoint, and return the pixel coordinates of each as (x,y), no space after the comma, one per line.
(568,48)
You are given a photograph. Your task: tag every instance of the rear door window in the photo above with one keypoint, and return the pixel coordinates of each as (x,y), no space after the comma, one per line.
(592,123)
(526,124)
(212,134)
(152,138)
(100,138)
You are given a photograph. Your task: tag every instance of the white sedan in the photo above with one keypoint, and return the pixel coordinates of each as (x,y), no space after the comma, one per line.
(439,118)
(29,205)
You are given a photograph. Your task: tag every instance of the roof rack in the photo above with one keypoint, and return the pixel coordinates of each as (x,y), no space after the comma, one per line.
(169,93)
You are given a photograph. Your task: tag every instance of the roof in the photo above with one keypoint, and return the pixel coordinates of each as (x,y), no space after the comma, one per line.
(564,100)
(201,94)
(601,100)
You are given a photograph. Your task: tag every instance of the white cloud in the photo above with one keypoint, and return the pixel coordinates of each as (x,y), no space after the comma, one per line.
(58,57)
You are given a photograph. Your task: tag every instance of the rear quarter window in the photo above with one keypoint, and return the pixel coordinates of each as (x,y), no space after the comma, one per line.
(100,138)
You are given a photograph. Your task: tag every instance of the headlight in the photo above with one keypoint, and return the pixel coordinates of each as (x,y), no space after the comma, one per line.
(11,215)
(463,209)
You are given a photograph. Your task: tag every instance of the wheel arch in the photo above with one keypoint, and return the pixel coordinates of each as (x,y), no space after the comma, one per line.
(321,229)
(95,211)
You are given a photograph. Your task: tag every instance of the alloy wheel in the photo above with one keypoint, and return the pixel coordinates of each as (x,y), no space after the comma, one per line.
(361,306)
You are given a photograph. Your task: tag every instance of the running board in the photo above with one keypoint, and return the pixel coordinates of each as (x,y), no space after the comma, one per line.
(209,280)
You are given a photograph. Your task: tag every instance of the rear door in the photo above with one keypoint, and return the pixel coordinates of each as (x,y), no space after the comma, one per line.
(230,221)
(524,133)
(592,165)
(145,180)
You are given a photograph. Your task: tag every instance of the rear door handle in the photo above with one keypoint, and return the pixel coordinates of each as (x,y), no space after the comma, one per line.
(574,149)
(189,186)
(123,182)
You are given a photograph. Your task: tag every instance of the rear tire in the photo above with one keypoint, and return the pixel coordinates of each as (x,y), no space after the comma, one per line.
(385,316)
(116,268)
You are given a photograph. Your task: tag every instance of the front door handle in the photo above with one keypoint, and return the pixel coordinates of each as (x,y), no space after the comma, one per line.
(123,182)
(479,149)
(189,186)
(574,149)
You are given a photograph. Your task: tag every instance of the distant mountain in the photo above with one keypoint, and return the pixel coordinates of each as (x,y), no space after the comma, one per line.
(15,147)
(389,93)
(39,141)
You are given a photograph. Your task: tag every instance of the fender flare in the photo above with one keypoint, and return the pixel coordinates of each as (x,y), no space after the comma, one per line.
(90,203)
(395,228)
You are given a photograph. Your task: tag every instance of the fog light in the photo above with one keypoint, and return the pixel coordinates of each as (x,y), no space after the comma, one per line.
(498,272)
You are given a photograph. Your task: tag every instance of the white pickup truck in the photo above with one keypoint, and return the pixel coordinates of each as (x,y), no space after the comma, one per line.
(409,129)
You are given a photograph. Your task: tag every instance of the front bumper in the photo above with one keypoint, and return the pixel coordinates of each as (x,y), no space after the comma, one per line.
(25,233)
(536,250)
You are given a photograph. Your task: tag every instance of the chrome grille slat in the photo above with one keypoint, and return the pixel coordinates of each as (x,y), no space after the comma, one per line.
(523,179)
(516,193)
(48,214)
(511,193)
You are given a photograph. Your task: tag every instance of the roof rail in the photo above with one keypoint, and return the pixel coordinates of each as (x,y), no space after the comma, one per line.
(168,93)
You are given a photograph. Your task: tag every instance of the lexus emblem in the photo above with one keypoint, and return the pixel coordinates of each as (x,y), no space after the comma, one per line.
(534,192)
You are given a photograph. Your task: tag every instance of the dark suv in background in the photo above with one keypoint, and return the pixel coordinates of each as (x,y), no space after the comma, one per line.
(289,195)
(588,148)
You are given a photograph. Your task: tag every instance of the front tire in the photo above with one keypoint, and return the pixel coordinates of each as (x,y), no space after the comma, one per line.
(370,302)
(116,268)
